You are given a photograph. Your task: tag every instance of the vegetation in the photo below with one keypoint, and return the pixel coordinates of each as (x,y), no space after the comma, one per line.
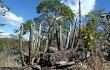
(56,28)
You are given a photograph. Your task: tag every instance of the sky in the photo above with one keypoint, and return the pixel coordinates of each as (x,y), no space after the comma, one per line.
(22,10)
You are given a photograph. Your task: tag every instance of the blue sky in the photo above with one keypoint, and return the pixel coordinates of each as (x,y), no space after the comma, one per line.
(22,10)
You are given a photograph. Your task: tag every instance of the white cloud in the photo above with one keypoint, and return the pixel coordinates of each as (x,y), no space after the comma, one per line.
(4,34)
(1,30)
(11,18)
(86,5)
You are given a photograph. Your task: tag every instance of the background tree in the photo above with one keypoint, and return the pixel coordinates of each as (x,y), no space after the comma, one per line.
(3,9)
(53,14)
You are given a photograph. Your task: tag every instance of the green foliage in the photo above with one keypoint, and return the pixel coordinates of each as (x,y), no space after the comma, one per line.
(27,26)
(2,24)
(89,30)
(9,43)
(96,21)
(88,35)
(2,6)
(54,14)
(3,11)
(101,20)
(50,10)
(55,7)
(98,17)
(105,22)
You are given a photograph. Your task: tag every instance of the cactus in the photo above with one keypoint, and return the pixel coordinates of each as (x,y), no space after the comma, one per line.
(36,43)
(77,31)
(68,36)
(31,41)
(33,38)
(46,47)
(39,38)
(74,34)
(60,34)
(20,46)
(80,17)
(58,42)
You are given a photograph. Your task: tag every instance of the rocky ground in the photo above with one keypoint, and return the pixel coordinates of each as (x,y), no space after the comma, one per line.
(67,60)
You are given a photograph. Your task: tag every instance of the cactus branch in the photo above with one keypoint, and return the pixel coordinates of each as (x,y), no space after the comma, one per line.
(20,46)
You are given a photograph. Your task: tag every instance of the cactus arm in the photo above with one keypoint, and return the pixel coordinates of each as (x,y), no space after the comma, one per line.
(20,46)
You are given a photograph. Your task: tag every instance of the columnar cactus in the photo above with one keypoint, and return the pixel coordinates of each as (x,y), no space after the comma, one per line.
(80,17)
(68,36)
(39,37)
(74,33)
(20,46)
(36,40)
(60,34)
(36,43)
(31,41)
(46,47)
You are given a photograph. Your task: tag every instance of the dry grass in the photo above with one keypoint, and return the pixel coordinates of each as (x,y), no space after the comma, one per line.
(9,63)
(96,63)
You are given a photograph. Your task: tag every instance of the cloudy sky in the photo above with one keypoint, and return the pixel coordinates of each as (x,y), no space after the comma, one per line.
(22,10)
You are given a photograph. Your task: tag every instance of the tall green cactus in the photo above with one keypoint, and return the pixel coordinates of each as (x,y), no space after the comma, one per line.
(21,45)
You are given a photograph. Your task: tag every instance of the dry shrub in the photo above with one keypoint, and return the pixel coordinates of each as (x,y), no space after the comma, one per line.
(96,63)
(8,61)
(106,67)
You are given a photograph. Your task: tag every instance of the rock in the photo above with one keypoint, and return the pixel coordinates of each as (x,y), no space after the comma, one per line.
(36,67)
(62,62)
(27,68)
(46,68)
(52,50)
